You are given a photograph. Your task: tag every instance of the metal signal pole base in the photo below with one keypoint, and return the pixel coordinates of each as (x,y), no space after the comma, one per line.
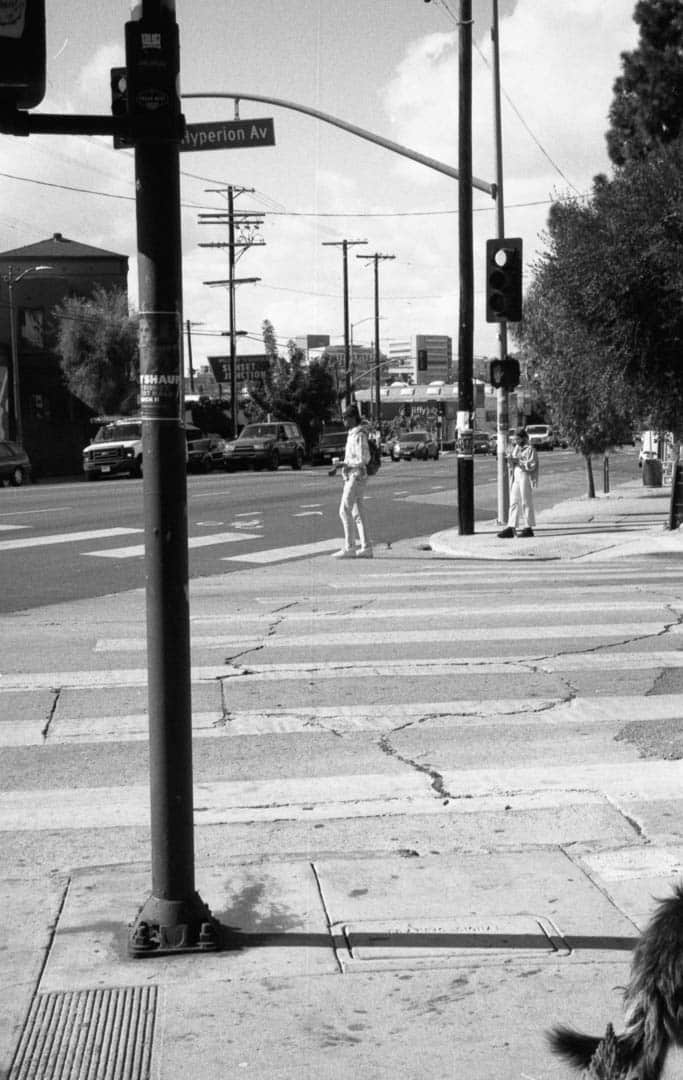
(169,927)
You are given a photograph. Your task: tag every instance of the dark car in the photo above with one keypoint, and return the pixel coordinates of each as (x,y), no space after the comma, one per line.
(482,444)
(414,444)
(266,445)
(330,445)
(204,452)
(15,467)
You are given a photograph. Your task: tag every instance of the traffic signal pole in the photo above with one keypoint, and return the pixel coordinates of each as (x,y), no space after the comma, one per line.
(174,918)
(502,399)
(465,449)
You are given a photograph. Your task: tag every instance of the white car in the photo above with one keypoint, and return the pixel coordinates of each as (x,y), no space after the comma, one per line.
(541,436)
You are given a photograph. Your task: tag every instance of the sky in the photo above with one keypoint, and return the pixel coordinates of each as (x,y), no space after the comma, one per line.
(389,66)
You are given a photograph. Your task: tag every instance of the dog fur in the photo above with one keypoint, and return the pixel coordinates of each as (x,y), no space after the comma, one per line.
(653,1000)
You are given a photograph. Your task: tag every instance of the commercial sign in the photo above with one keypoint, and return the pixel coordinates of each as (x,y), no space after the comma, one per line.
(247,368)
(228,135)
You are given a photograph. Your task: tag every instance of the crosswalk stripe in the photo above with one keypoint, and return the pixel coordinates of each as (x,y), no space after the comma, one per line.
(349,796)
(347,719)
(193,542)
(64,538)
(415,668)
(444,635)
(281,554)
(438,610)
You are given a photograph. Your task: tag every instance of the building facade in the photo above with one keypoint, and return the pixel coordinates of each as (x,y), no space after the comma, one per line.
(56,425)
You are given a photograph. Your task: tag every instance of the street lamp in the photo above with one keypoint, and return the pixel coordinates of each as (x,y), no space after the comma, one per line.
(12,281)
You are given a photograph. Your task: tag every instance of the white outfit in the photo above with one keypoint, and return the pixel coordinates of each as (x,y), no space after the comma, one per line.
(351,509)
(524,472)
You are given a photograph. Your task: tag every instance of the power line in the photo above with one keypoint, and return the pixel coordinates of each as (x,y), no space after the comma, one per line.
(444,5)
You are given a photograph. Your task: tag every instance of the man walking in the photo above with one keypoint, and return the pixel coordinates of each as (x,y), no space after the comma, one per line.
(523,464)
(354,471)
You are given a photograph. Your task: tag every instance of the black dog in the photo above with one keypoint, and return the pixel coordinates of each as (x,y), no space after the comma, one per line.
(654,1003)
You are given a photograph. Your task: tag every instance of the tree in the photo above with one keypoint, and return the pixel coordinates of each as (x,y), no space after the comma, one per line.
(647,107)
(292,391)
(97,344)
(580,381)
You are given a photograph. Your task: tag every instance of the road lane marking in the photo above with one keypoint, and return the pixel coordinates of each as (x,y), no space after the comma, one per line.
(297,551)
(8,528)
(64,538)
(194,542)
(25,513)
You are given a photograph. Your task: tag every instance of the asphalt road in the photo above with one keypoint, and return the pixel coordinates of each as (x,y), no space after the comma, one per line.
(66,541)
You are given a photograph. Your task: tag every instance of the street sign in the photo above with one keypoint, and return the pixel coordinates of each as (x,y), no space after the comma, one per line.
(247,369)
(228,135)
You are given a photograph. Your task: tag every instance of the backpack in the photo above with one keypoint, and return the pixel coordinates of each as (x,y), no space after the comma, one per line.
(375,461)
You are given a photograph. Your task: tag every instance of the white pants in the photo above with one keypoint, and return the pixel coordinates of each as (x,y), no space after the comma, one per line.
(521,514)
(351,511)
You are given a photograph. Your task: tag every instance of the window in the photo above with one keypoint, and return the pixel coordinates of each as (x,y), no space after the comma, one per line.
(32,326)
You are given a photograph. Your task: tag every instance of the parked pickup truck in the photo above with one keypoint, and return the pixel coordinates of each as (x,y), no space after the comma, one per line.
(116,450)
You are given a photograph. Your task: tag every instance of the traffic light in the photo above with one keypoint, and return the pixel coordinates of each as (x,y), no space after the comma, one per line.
(119,104)
(422,360)
(504,374)
(504,280)
(22,54)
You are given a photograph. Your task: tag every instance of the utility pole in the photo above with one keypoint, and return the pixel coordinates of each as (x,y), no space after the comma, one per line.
(502,400)
(345,245)
(247,224)
(466,313)
(378,383)
(173,918)
(188,328)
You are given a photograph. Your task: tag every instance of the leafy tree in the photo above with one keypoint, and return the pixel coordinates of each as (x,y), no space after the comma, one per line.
(639,274)
(647,107)
(97,343)
(292,391)
(580,381)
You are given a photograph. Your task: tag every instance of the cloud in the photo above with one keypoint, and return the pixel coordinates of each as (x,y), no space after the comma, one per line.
(558,69)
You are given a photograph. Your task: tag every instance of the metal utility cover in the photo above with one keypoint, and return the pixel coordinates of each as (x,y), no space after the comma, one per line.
(450,942)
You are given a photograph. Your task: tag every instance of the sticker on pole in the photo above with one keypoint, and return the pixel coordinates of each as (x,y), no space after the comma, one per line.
(160,379)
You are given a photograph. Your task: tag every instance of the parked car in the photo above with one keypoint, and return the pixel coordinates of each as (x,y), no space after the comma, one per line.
(15,467)
(414,444)
(481,443)
(266,444)
(204,452)
(331,444)
(541,436)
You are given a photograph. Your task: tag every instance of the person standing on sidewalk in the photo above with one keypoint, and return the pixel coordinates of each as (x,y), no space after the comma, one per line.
(354,471)
(523,465)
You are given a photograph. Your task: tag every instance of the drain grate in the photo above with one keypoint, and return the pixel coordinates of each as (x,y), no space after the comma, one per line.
(84,1034)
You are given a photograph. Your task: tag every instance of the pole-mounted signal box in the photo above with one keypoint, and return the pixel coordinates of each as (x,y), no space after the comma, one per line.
(22,54)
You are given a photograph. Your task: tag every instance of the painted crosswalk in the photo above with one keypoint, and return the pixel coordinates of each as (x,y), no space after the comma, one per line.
(557,659)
